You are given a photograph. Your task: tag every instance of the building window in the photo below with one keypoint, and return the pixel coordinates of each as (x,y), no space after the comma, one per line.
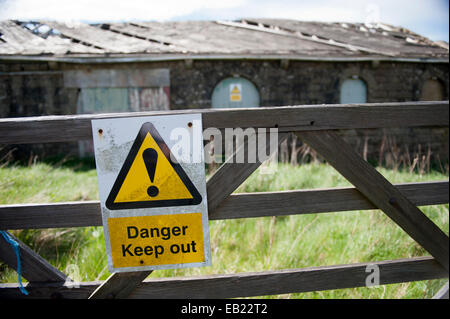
(432,90)
(353,90)
(117,90)
(235,93)
(101,100)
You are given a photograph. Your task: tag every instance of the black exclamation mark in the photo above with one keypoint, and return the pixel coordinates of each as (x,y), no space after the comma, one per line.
(150,157)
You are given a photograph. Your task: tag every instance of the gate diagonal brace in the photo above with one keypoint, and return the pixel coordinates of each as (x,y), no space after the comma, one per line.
(380,192)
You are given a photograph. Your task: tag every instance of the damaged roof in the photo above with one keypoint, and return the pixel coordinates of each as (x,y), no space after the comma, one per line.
(245,38)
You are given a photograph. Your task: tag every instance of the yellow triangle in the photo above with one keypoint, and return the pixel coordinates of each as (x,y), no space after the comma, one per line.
(235,90)
(135,185)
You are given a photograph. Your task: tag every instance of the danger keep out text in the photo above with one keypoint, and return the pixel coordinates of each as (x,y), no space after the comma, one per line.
(155,240)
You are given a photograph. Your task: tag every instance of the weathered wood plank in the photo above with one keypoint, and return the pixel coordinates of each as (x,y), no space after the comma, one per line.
(308,201)
(119,285)
(380,192)
(290,281)
(320,201)
(253,284)
(53,215)
(33,267)
(65,128)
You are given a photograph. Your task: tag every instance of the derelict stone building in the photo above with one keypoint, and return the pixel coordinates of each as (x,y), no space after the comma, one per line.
(50,68)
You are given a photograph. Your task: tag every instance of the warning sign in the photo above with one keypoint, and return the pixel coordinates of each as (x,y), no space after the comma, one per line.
(154,206)
(156,240)
(149,177)
(235,92)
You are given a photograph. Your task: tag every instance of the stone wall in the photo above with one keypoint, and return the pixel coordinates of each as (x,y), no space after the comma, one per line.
(37,88)
(302,82)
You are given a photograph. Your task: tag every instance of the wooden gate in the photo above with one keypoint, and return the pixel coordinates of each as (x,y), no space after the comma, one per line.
(316,126)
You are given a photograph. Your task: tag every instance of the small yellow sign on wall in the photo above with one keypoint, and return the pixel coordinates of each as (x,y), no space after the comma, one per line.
(235,92)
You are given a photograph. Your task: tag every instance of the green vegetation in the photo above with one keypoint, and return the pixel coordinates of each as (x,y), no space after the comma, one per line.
(255,244)
(44,183)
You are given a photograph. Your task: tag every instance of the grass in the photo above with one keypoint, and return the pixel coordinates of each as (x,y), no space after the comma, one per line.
(48,182)
(240,245)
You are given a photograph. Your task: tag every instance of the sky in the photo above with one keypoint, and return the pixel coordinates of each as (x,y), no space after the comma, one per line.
(429,18)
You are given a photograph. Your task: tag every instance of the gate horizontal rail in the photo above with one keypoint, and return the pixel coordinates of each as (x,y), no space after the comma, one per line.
(314,125)
(250,284)
(66,128)
(246,205)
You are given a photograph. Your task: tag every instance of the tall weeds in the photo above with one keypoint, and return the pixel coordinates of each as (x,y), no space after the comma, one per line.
(390,154)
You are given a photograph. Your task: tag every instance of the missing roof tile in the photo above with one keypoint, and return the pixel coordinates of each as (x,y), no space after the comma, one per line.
(39,29)
(130,34)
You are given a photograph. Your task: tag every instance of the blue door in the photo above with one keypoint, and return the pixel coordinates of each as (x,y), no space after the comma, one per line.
(235,93)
